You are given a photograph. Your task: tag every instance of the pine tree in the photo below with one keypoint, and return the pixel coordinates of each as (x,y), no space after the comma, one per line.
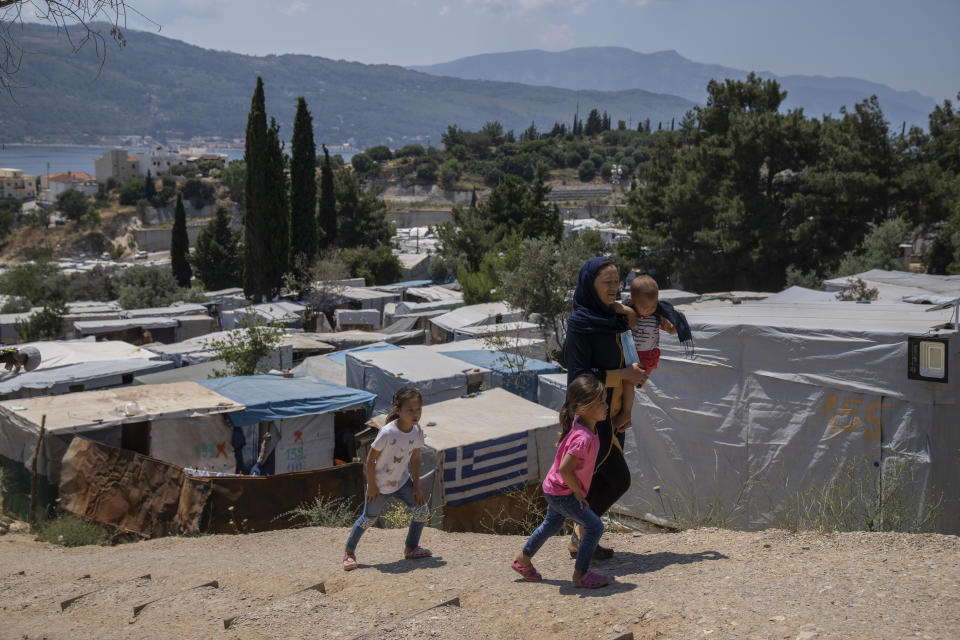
(256,191)
(327,217)
(216,256)
(303,191)
(276,216)
(180,245)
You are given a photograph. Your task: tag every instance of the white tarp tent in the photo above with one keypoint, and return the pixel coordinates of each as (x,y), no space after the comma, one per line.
(357,318)
(437,376)
(444,326)
(780,397)
(79,365)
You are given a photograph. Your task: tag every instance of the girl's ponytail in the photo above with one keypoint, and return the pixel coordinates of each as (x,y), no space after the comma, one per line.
(583,391)
(566,421)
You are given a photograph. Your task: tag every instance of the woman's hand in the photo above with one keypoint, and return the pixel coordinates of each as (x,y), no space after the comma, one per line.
(372,491)
(418,496)
(634,374)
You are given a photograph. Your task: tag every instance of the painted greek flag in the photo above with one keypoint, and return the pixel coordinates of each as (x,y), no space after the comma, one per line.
(485,469)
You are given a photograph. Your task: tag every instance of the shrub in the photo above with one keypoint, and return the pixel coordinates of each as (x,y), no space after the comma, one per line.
(410,151)
(379,153)
(587,171)
(427,171)
(362,163)
(72,531)
(324,512)
(133,190)
(376,266)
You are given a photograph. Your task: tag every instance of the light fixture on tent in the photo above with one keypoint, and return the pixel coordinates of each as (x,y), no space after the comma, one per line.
(927,358)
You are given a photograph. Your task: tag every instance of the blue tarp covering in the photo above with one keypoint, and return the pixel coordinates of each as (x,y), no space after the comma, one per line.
(340,357)
(270,397)
(523,384)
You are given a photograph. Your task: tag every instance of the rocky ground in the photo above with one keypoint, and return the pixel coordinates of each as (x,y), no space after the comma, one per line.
(704,583)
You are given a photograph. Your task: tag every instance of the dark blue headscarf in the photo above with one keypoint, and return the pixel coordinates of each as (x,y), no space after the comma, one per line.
(590,315)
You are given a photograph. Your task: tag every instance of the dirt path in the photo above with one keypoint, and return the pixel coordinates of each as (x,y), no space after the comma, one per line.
(705,583)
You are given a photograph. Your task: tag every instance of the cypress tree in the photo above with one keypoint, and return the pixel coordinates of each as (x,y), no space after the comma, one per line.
(303,191)
(255,194)
(216,255)
(149,188)
(180,245)
(327,217)
(276,216)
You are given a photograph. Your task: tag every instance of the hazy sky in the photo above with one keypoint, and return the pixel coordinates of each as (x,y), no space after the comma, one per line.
(906,44)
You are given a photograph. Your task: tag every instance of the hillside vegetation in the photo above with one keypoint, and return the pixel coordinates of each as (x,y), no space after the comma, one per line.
(198,92)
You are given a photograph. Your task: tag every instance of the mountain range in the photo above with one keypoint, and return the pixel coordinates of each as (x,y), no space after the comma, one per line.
(166,88)
(618,69)
(170,89)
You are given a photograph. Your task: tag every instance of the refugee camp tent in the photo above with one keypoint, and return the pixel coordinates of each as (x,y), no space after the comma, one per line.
(68,366)
(433,293)
(443,327)
(437,376)
(192,373)
(300,411)
(802,294)
(499,332)
(332,367)
(552,390)
(482,447)
(513,373)
(184,423)
(176,309)
(119,417)
(368,297)
(353,319)
(919,282)
(527,347)
(288,314)
(781,398)
(135,330)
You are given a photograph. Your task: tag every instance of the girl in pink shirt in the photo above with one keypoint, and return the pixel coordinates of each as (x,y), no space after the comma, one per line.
(568,481)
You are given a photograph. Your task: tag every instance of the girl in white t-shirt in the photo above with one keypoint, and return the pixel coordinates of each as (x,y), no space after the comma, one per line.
(393,471)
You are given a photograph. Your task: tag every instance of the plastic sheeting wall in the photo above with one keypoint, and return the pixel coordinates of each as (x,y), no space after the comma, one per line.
(763,414)
(305,443)
(202,442)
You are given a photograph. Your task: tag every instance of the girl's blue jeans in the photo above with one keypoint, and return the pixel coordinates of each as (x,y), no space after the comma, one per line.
(560,508)
(372,509)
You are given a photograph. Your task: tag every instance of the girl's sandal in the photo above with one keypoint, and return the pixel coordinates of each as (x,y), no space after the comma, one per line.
(591,580)
(349,562)
(417,554)
(528,572)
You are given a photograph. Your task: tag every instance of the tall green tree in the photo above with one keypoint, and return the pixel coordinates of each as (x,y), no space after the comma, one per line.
(180,245)
(277,216)
(149,187)
(216,256)
(303,190)
(327,214)
(256,198)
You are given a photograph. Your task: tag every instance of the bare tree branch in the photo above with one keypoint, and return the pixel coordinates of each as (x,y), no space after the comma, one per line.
(75,19)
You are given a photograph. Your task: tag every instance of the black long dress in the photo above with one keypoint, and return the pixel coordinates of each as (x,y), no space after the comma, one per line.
(595,354)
